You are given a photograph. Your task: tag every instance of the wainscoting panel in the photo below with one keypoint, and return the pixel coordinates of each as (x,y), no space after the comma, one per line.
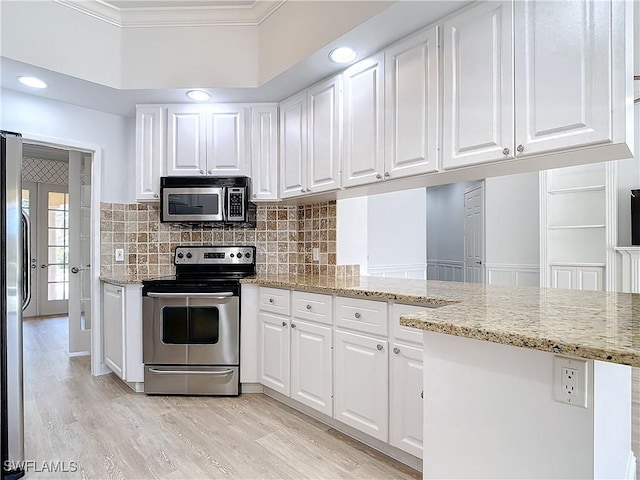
(514,275)
(446,271)
(416,271)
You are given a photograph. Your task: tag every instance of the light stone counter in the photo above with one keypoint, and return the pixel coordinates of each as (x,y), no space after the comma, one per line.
(593,325)
(124,280)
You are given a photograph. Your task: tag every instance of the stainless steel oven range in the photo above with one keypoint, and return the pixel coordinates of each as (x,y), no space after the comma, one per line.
(191,322)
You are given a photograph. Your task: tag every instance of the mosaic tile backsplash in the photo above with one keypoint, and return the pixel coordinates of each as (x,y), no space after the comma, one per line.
(284,237)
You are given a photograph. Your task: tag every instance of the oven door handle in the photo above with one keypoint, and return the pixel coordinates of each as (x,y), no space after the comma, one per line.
(220,373)
(221,295)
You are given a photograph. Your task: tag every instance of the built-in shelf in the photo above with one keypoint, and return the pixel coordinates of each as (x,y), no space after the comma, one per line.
(574,227)
(589,188)
(576,264)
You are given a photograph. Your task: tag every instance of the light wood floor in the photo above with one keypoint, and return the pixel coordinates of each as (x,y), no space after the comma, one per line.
(112,432)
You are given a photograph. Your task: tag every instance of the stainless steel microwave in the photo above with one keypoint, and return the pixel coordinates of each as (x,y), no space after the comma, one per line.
(206,200)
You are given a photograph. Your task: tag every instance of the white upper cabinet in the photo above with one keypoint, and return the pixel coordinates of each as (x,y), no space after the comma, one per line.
(206,140)
(226,139)
(563,75)
(150,151)
(325,128)
(411,105)
(264,152)
(478,85)
(293,146)
(186,142)
(363,157)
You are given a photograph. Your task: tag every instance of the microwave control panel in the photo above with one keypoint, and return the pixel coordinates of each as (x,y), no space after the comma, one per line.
(235,197)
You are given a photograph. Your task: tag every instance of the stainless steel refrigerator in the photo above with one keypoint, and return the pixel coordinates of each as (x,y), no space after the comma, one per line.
(15,294)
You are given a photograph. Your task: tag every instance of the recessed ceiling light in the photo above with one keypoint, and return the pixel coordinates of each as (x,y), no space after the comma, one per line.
(32,82)
(342,55)
(198,95)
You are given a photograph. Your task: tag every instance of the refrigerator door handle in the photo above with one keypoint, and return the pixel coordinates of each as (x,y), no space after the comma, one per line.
(26,255)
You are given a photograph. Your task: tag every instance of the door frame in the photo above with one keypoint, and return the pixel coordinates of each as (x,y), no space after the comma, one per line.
(97,365)
(479,185)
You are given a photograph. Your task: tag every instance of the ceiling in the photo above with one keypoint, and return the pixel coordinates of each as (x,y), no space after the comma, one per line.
(44,152)
(393,23)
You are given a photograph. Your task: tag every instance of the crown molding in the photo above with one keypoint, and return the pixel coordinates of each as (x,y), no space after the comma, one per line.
(189,16)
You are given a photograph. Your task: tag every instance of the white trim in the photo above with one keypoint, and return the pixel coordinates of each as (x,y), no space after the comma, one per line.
(611,231)
(630,268)
(251,388)
(542,203)
(631,467)
(410,270)
(512,274)
(191,16)
(97,365)
(445,270)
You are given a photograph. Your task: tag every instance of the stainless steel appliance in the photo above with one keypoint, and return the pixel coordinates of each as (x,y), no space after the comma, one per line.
(217,200)
(14,298)
(191,322)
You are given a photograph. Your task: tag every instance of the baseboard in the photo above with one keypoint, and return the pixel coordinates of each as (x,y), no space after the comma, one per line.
(395,453)
(79,354)
(631,467)
(251,388)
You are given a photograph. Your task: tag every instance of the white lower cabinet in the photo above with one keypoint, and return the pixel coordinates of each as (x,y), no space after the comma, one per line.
(405,398)
(122,331)
(311,365)
(274,356)
(362,383)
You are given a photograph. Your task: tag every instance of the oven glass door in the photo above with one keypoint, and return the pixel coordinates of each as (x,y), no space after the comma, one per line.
(197,204)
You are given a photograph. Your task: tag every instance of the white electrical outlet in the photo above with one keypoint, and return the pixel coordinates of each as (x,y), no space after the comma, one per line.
(316,254)
(570,380)
(119,254)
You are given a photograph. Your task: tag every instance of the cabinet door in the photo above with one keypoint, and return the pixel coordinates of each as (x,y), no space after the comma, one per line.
(274,352)
(324,116)
(363,158)
(311,366)
(293,146)
(226,139)
(405,399)
(361,397)
(411,105)
(186,140)
(478,86)
(150,151)
(563,74)
(264,152)
(113,328)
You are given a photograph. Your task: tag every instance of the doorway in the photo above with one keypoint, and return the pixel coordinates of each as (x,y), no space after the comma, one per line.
(57,199)
(474,234)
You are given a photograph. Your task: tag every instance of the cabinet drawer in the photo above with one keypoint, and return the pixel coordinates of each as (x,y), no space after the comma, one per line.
(312,306)
(366,316)
(275,300)
(400,333)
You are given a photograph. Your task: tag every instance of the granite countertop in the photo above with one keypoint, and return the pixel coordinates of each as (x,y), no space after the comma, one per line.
(594,325)
(134,279)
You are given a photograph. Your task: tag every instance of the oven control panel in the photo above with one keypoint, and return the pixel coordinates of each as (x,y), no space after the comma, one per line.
(204,255)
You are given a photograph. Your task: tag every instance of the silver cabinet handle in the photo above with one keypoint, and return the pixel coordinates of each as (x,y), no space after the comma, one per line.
(75,270)
(271,300)
(209,172)
(255,195)
(520,148)
(379,347)
(155,195)
(387,174)
(308,307)
(119,290)
(284,324)
(357,315)
(201,172)
(302,190)
(422,394)
(378,176)
(505,151)
(396,350)
(44,265)
(293,325)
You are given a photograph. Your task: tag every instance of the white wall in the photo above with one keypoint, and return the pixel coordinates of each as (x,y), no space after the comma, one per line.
(59,121)
(397,228)
(351,232)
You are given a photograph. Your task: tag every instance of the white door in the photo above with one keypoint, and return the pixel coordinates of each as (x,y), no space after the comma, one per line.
(293,146)
(186,140)
(405,399)
(324,117)
(150,151)
(363,157)
(361,383)
(264,152)
(30,208)
(562,71)
(274,352)
(478,85)
(474,235)
(53,249)
(79,252)
(311,366)
(411,105)
(225,140)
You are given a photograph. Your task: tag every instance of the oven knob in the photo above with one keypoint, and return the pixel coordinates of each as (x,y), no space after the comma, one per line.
(180,255)
(248,254)
(189,255)
(231,255)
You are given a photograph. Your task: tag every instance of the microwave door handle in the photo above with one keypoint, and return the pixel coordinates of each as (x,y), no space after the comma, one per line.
(221,295)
